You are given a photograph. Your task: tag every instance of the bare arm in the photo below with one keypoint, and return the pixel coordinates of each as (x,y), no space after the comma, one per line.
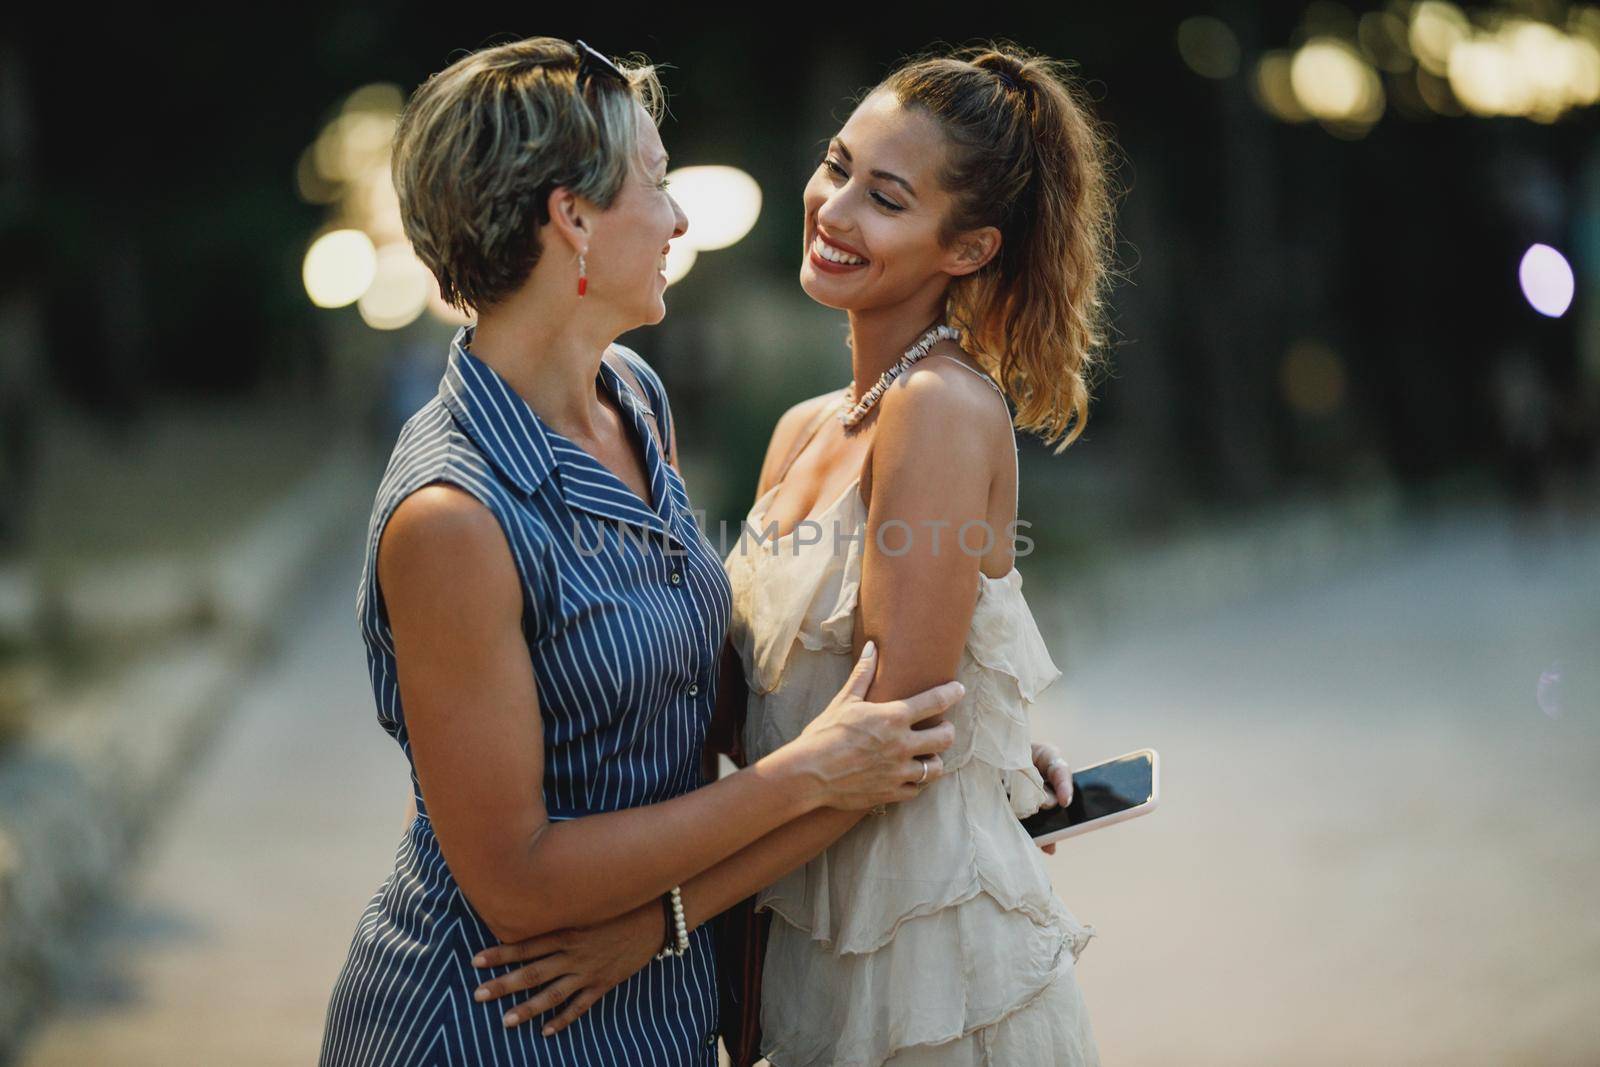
(473,716)
(917,598)
(917,606)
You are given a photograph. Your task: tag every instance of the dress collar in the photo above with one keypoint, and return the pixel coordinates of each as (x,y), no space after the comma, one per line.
(519,444)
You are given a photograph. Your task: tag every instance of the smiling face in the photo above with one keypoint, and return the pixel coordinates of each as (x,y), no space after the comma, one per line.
(627,252)
(874,208)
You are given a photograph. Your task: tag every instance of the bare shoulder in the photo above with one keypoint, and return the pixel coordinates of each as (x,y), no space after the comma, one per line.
(786,434)
(935,397)
(443,545)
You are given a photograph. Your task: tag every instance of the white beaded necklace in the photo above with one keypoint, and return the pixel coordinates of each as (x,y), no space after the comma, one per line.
(856,413)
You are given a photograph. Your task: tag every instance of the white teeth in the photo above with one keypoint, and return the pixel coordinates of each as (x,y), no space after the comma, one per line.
(832,254)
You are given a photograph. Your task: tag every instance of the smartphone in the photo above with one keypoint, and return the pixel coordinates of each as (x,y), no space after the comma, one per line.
(1103,794)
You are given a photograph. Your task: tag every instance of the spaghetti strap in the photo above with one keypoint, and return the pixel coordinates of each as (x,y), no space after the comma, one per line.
(811,431)
(979,373)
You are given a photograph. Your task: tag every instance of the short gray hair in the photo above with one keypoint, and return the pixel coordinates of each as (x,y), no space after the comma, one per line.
(481,144)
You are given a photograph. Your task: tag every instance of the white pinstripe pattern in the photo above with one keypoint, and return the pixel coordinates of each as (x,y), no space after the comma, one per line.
(615,647)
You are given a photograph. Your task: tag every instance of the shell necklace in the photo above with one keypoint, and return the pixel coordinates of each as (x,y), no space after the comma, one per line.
(850,416)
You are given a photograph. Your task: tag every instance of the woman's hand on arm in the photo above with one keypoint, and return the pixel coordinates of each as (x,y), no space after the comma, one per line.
(578,966)
(472,714)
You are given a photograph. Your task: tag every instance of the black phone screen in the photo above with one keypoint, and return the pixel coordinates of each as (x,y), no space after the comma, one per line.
(1098,791)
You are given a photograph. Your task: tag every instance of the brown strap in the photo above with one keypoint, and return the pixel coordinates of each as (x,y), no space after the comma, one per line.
(741,940)
(620,365)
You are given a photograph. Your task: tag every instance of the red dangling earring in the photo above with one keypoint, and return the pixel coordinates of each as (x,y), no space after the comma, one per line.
(583,278)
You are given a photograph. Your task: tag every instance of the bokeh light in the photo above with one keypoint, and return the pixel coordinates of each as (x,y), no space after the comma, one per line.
(399,290)
(1273,89)
(353,144)
(1382,36)
(680,258)
(1208,47)
(722,204)
(1332,82)
(1485,80)
(339,267)
(1547,280)
(1435,92)
(1436,28)
(1517,60)
(309,181)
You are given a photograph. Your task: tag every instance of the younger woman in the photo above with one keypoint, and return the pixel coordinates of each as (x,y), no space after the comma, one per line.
(960,218)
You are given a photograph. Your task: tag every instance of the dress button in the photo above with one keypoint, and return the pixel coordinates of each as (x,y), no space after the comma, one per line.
(677,578)
(711,1040)
(694,688)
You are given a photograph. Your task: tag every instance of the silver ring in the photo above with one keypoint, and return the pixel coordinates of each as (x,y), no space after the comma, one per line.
(1055,761)
(924,777)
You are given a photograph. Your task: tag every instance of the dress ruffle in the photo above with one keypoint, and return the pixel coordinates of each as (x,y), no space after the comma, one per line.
(933,927)
(929,924)
(976,972)
(959,840)
(1016,667)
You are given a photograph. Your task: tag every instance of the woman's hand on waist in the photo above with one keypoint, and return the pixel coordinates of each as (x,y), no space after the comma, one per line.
(573,967)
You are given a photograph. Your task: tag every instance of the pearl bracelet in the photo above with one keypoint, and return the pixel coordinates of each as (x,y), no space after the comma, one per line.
(672,903)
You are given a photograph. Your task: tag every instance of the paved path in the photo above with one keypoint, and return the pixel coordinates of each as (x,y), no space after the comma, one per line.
(1375,846)
(237,924)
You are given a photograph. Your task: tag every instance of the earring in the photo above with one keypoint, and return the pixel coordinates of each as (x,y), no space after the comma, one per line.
(583,277)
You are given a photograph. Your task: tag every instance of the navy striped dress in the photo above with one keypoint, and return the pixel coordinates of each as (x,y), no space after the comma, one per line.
(625,610)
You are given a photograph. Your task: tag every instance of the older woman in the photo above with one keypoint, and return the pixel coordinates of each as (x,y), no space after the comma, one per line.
(544,621)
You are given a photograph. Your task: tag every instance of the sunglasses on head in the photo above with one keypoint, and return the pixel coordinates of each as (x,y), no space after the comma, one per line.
(591,62)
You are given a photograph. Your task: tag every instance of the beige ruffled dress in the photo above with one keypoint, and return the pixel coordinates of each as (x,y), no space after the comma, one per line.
(930,934)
